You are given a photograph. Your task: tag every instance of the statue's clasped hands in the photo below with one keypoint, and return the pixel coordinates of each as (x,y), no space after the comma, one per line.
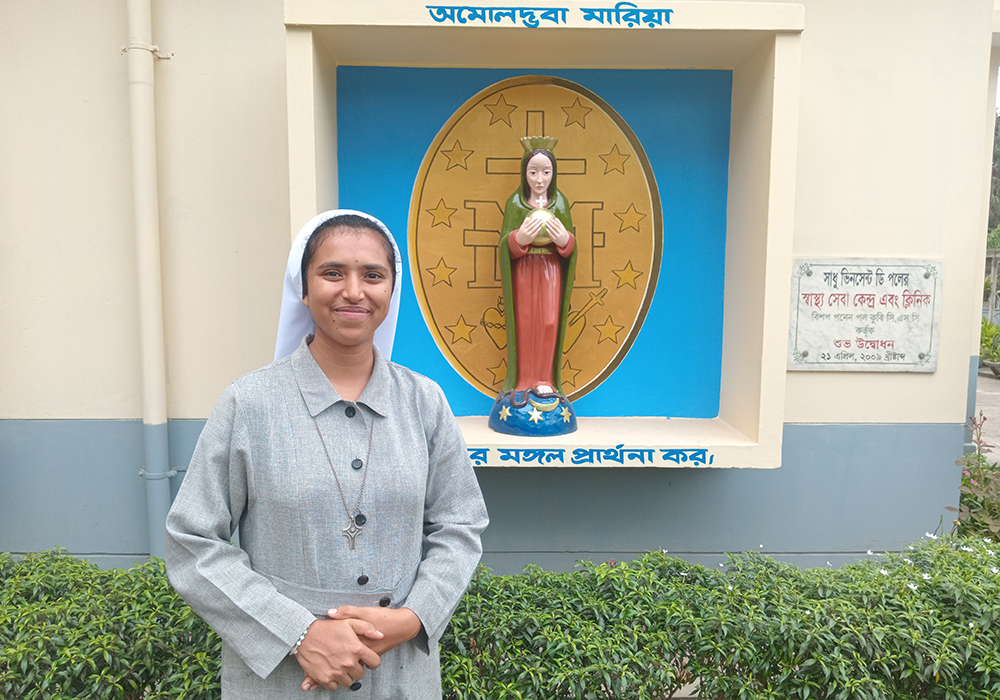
(337,651)
(531,227)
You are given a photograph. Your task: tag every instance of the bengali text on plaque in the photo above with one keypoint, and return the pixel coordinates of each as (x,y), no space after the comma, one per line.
(865,315)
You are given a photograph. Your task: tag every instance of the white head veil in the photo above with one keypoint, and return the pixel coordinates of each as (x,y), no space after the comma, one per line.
(296,322)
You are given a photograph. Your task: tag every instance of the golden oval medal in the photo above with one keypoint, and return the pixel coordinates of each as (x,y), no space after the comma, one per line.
(456,212)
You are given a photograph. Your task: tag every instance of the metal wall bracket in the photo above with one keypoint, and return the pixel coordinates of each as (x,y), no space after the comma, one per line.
(150,476)
(152,48)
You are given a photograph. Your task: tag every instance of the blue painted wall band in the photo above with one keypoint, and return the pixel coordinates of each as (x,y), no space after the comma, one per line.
(842,489)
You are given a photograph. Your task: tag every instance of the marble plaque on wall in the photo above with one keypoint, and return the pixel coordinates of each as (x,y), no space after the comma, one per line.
(865,315)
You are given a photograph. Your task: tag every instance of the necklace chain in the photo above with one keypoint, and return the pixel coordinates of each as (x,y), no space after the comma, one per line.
(353,528)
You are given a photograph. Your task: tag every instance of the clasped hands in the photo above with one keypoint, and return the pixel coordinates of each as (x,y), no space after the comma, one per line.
(530,229)
(335,652)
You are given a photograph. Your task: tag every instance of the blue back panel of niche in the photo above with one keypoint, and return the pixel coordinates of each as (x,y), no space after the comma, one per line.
(388,117)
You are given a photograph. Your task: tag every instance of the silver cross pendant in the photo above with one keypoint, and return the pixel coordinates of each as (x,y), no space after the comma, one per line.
(351,532)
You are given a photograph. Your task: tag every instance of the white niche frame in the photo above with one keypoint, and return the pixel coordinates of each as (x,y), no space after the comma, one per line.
(758,41)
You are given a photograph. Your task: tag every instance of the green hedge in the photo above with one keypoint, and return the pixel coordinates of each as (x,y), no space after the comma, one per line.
(919,624)
(71,630)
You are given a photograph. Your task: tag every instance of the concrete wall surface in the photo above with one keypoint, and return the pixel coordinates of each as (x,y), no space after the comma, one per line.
(889,157)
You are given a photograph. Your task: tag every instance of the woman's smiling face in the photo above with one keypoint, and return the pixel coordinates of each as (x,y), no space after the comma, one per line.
(349,287)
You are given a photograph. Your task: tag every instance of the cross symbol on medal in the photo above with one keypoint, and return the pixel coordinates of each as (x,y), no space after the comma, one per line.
(351,532)
(484,273)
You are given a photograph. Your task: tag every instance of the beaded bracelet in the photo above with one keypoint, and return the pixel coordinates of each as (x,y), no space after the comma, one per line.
(295,649)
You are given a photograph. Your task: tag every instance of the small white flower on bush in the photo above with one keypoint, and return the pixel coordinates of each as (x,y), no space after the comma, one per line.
(912,586)
(883,572)
(930,536)
(995,570)
(965,549)
(927,577)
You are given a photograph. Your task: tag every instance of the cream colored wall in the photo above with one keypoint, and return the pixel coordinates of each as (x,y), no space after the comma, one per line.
(890,163)
(223,191)
(68,319)
(69,348)
(894,106)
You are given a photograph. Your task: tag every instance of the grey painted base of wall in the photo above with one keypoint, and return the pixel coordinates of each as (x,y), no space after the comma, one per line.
(841,490)
(72,484)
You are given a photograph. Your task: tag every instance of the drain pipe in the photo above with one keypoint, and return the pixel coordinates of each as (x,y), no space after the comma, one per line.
(146,218)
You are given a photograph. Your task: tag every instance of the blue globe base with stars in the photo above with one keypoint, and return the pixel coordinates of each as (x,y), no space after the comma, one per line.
(527,414)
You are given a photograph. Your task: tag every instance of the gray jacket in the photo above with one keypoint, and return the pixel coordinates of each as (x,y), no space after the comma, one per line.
(260,465)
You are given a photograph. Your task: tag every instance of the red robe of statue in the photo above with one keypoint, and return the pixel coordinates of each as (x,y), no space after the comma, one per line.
(536,280)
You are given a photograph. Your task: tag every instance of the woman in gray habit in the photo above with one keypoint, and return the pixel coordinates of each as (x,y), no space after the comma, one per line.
(358,509)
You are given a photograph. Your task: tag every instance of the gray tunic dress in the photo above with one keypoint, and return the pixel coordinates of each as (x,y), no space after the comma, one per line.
(260,465)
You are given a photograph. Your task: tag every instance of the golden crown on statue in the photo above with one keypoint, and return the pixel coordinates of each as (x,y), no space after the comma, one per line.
(531,143)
